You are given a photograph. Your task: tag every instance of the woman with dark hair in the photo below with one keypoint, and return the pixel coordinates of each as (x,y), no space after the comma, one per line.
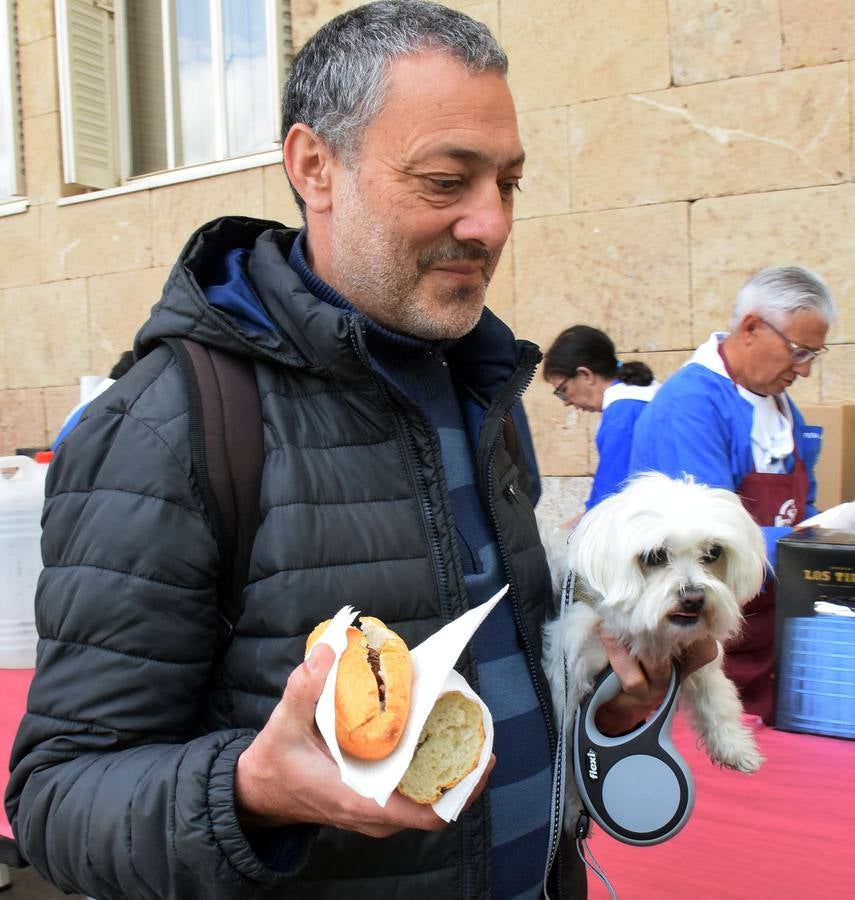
(584,370)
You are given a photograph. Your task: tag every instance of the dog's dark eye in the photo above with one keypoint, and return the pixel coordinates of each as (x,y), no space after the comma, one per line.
(658,557)
(712,554)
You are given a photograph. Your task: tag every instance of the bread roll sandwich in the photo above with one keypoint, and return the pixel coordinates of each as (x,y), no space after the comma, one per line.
(372,689)
(448,748)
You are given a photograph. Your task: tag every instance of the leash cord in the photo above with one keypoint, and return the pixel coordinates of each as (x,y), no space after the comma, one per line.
(587,856)
(558,776)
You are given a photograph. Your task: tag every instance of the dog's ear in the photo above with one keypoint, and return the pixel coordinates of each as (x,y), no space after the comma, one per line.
(744,545)
(746,568)
(599,552)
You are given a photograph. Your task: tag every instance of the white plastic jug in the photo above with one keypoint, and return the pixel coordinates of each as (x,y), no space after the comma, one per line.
(22,494)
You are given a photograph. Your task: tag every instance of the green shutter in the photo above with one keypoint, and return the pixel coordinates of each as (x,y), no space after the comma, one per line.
(87,92)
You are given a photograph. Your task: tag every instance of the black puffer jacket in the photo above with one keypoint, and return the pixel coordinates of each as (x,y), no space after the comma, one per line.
(116,789)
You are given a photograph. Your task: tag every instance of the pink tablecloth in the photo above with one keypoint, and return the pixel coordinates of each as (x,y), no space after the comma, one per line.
(14,684)
(784,833)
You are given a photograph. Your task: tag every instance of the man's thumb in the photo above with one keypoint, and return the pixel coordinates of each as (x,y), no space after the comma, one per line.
(307,681)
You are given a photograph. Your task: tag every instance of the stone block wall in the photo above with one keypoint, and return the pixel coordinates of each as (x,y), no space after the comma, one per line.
(673,148)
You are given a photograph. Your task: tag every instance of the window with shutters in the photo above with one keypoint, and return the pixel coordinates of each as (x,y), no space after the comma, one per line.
(153,85)
(11,156)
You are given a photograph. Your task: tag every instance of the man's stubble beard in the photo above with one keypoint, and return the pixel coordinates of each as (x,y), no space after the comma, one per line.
(367,265)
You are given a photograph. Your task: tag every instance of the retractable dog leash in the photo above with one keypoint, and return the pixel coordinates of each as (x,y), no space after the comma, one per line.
(559,781)
(637,787)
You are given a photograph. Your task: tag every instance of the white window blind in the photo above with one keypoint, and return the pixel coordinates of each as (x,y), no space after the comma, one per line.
(11,155)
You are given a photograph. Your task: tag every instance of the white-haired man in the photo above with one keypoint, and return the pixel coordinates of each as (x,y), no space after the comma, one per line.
(726,418)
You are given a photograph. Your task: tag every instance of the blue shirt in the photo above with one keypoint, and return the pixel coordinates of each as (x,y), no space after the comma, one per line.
(622,405)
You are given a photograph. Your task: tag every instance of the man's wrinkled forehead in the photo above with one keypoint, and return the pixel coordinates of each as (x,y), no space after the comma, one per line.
(479,157)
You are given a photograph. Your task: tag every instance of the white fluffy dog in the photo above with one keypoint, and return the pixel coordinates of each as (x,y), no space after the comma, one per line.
(660,565)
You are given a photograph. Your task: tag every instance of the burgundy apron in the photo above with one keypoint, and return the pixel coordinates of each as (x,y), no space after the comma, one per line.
(777,500)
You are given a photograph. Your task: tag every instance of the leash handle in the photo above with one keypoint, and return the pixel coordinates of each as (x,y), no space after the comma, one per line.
(636,786)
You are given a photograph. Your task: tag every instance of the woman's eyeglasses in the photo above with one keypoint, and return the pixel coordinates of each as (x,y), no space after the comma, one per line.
(559,391)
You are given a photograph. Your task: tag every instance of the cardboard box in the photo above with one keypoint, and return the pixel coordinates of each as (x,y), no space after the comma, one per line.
(814,638)
(835,470)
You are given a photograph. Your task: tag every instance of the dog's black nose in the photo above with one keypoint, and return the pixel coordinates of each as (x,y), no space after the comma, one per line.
(692,599)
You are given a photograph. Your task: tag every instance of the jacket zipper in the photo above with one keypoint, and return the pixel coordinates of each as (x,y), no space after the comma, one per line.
(491,505)
(410,453)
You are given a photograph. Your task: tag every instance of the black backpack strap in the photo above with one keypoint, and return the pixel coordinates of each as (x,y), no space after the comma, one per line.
(227,447)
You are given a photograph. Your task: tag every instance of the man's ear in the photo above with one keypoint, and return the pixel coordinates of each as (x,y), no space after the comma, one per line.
(748,326)
(308,162)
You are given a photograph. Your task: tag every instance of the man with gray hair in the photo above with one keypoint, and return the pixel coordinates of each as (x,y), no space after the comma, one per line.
(726,419)
(159,760)
(154,761)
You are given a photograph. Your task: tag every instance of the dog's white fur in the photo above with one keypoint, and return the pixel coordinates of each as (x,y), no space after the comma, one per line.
(646,560)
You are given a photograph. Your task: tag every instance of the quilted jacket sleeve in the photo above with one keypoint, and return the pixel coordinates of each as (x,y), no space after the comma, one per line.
(115,791)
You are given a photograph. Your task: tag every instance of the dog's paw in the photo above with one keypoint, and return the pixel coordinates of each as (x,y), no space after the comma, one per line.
(735,749)
(747,762)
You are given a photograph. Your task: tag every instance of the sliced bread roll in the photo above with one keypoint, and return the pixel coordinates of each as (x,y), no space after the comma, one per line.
(372,690)
(448,748)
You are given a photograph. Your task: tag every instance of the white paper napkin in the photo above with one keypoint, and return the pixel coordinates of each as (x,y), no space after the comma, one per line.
(433,674)
(840,517)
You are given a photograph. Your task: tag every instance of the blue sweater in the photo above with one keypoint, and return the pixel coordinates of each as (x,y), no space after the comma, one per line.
(520,785)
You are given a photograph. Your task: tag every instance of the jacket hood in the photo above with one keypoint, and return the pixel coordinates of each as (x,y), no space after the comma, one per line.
(226,291)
